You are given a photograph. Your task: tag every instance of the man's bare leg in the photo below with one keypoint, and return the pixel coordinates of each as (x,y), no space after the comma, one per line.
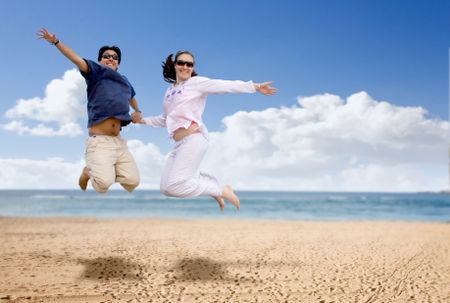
(84,178)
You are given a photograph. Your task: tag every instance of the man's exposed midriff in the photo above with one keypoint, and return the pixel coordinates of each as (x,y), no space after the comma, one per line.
(108,127)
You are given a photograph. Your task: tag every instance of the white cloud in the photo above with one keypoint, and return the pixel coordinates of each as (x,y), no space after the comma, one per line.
(55,173)
(51,173)
(68,129)
(329,143)
(56,114)
(323,143)
(150,163)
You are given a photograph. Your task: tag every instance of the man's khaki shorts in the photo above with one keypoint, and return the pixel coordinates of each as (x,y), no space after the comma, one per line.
(109,160)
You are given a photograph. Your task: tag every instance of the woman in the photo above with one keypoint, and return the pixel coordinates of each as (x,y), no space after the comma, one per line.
(183,106)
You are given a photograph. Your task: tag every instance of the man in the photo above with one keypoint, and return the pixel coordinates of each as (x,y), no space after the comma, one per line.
(109,96)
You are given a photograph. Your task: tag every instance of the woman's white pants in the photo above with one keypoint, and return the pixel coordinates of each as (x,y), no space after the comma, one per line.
(181,176)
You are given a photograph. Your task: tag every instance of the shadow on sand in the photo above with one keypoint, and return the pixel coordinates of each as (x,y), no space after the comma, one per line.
(106,268)
(192,269)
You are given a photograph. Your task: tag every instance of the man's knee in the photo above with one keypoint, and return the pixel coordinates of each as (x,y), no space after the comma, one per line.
(101,184)
(131,183)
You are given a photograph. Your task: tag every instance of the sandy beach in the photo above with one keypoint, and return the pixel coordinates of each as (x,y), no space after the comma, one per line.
(150,260)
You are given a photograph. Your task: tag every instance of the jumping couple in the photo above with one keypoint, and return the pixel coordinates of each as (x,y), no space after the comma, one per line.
(109,98)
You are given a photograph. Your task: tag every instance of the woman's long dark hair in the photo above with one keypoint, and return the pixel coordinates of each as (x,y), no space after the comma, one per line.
(168,66)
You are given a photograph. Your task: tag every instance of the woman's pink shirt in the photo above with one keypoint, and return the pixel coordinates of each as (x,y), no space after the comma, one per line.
(185,102)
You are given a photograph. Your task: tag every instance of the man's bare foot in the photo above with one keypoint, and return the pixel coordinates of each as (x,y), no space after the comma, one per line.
(228,193)
(84,178)
(220,201)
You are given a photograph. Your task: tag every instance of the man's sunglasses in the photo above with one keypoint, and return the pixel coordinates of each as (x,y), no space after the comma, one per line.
(187,63)
(108,56)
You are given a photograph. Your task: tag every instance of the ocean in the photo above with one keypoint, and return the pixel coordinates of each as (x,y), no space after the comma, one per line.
(312,206)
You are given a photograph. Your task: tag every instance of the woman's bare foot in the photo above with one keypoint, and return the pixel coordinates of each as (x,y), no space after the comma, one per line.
(220,201)
(84,178)
(228,193)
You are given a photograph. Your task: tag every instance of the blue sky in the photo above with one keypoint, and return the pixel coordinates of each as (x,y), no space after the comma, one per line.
(394,51)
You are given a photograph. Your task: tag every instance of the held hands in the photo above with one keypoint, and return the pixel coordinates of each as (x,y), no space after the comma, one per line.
(265,88)
(44,34)
(136,117)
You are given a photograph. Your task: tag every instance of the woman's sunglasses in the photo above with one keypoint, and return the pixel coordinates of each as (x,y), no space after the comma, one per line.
(187,63)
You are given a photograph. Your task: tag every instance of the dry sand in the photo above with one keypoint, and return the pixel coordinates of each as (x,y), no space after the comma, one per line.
(149,260)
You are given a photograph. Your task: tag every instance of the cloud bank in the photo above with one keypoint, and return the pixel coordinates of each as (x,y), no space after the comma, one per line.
(321,143)
(56,114)
(55,173)
(327,143)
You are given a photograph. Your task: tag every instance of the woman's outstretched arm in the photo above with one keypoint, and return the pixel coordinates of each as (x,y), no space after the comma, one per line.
(265,88)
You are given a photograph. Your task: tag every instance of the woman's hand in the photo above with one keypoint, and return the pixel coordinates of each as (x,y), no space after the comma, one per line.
(44,34)
(265,88)
(136,117)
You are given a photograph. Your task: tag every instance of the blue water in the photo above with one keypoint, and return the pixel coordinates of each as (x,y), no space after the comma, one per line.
(433,207)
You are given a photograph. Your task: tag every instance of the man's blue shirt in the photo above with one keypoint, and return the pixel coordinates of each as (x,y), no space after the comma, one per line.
(108,93)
